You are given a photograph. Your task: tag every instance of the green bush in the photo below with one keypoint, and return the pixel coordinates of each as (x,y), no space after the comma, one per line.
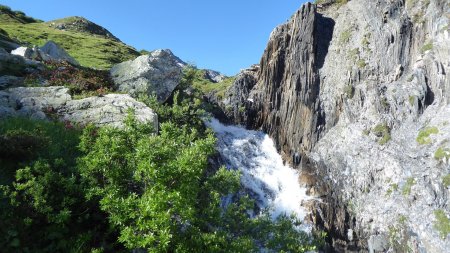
(157,194)
(42,204)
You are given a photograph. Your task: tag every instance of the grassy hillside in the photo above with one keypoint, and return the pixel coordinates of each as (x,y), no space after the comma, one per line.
(89,50)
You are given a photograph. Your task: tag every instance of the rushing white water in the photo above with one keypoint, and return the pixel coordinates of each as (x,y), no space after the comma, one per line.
(273,185)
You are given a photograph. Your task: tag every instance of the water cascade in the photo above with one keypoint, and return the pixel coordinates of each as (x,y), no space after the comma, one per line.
(272,184)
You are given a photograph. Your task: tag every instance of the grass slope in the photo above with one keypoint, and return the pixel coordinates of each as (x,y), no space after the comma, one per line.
(89,50)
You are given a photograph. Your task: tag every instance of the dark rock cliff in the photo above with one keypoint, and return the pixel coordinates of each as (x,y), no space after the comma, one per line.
(281,95)
(346,91)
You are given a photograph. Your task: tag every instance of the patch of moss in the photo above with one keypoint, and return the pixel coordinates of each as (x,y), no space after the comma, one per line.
(412,100)
(366,131)
(384,132)
(349,91)
(365,42)
(424,135)
(446,180)
(406,189)
(361,63)
(442,223)
(392,188)
(385,103)
(354,54)
(345,36)
(426,47)
(442,153)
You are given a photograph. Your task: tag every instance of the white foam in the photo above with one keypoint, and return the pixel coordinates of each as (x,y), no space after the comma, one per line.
(274,185)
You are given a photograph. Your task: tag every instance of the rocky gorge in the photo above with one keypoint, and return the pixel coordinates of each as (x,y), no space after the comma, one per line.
(355,95)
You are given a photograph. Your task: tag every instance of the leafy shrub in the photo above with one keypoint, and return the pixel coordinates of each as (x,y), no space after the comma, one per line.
(424,135)
(158,195)
(41,196)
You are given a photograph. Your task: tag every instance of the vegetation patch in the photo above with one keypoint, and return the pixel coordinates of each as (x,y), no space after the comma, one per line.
(426,47)
(423,137)
(406,189)
(361,63)
(442,223)
(205,86)
(365,42)
(383,131)
(82,82)
(446,180)
(8,15)
(349,91)
(337,2)
(345,36)
(442,153)
(88,50)
(392,188)
(412,100)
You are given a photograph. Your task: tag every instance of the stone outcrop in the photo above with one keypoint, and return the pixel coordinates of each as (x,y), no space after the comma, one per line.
(158,73)
(16,65)
(346,93)
(49,52)
(80,24)
(214,76)
(237,103)
(56,103)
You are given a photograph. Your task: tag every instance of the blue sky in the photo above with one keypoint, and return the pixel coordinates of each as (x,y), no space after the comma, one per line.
(224,35)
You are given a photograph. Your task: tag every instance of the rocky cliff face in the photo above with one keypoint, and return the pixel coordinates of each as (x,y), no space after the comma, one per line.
(357,95)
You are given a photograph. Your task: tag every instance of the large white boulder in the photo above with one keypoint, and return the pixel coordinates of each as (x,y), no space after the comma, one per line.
(55,102)
(55,52)
(157,73)
(49,52)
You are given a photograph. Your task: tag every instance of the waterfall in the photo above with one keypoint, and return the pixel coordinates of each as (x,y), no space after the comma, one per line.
(272,184)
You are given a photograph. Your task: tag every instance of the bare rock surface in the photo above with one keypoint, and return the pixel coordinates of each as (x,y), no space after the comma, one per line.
(157,73)
(49,52)
(55,102)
